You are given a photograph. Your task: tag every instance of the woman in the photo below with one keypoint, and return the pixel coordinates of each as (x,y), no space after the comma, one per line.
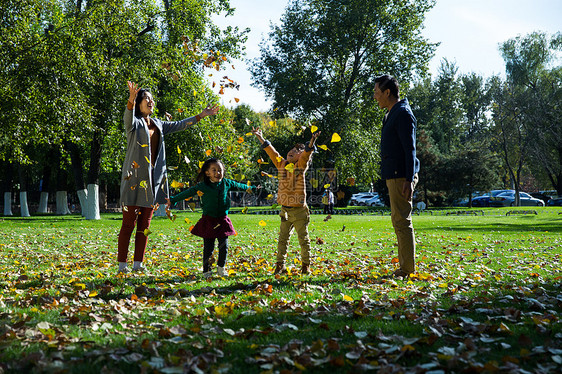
(144,182)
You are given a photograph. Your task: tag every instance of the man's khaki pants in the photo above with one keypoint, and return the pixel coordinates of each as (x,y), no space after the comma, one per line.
(401,216)
(297,218)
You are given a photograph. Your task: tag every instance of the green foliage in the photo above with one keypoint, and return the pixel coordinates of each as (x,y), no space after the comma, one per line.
(68,63)
(320,63)
(527,106)
(454,144)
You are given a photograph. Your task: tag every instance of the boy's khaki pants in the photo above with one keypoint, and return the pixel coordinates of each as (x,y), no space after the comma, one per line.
(297,218)
(401,216)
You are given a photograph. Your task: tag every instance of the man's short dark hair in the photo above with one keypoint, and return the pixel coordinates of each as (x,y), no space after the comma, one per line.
(388,82)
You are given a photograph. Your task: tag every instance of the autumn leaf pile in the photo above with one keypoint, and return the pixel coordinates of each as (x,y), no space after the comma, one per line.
(486,297)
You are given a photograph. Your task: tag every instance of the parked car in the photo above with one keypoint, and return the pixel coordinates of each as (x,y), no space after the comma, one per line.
(508,199)
(555,201)
(374,201)
(360,198)
(542,195)
(484,200)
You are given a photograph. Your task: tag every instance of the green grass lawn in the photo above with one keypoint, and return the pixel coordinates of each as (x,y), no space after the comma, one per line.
(486,297)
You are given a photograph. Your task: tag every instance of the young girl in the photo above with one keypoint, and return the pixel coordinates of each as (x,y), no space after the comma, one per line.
(214,224)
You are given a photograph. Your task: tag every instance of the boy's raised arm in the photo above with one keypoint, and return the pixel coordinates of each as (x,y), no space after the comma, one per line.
(269,149)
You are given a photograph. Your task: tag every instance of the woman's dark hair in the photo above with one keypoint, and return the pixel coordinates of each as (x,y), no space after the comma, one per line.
(387,82)
(206,165)
(140,97)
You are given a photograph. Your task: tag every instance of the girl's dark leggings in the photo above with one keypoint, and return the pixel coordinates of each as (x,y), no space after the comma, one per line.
(209,246)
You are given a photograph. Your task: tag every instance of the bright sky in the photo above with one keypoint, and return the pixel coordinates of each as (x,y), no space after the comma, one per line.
(470,32)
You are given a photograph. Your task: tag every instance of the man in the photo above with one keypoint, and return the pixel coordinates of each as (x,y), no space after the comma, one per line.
(399,166)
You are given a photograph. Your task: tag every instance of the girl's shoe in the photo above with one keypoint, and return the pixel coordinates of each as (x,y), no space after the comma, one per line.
(124,270)
(221,272)
(140,268)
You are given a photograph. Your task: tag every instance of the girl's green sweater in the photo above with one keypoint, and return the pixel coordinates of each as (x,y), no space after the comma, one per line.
(214,197)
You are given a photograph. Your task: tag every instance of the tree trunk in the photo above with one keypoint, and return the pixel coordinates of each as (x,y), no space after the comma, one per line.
(7,187)
(78,172)
(8,203)
(92,205)
(24,209)
(62,203)
(43,202)
(45,185)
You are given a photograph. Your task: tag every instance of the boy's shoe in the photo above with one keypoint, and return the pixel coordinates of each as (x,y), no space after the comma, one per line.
(280,268)
(124,270)
(400,274)
(304,268)
(221,272)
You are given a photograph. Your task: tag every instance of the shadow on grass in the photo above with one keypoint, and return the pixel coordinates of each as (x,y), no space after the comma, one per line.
(495,327)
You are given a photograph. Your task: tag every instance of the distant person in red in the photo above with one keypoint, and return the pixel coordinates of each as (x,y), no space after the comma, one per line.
(144,183)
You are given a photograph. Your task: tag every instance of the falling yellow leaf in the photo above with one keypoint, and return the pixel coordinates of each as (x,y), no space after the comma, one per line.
(93,294)
(347,298)
(179,150)
(335,138)
(143,184)
(191,206)
(262,223)
(313,129)
(187,220)
(142,145)
(240,140)
(176,184)
(269,197)
(290,167)
(134,165)
(236,99)
(327,185)
(263,173)
(249,134)
(208,152)
(201,164)
(245,210)
(147,160)
(262,162)
(314,182)
(200,193)
(172,168)
(147,232)
(324,147)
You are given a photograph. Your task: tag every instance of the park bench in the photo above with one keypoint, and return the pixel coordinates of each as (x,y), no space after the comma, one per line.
(521,212)
(465,212)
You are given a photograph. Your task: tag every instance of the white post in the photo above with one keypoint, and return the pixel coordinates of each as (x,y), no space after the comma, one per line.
(23,204)
(43,202)
(83,199)
(8,204)
(62,203)
(93,202)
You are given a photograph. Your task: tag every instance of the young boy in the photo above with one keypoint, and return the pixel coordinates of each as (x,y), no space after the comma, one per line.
(292,198)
